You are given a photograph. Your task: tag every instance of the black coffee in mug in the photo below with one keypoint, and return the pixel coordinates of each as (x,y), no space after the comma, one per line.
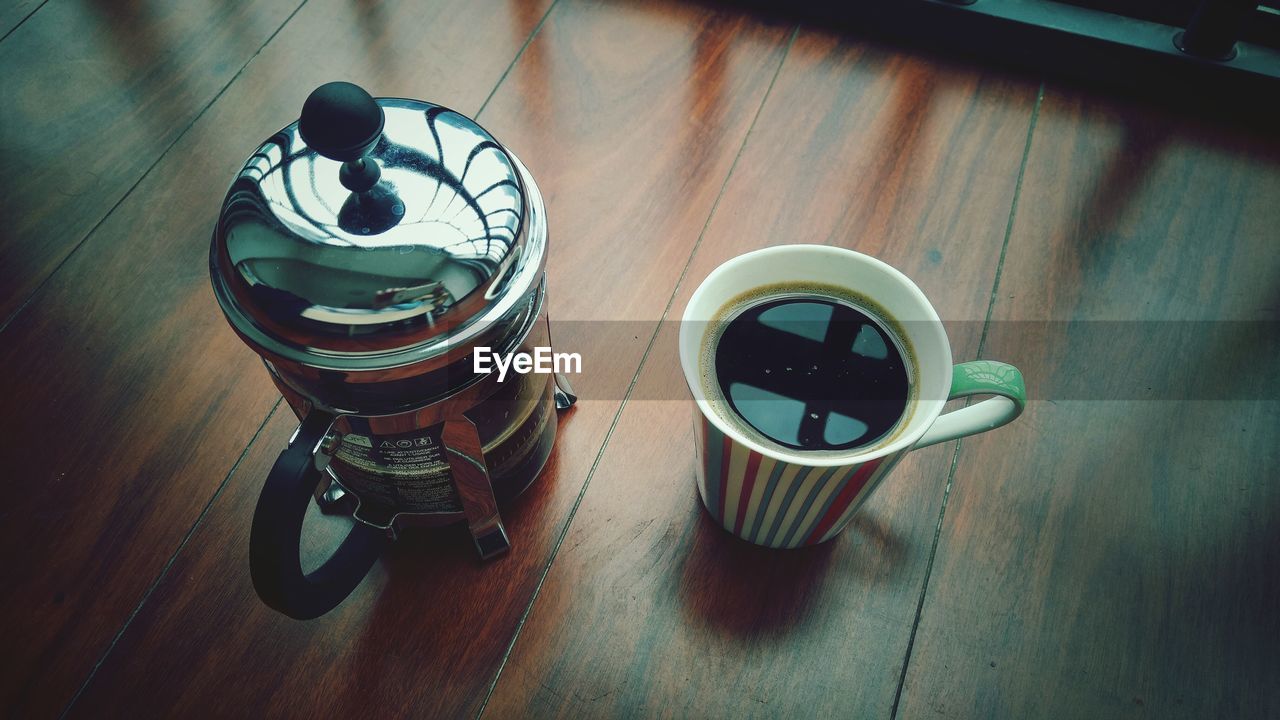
(810,368)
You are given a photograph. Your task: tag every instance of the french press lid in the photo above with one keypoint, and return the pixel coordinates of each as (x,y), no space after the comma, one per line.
(368,228)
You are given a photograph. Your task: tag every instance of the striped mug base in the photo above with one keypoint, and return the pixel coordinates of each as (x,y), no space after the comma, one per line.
(775,503)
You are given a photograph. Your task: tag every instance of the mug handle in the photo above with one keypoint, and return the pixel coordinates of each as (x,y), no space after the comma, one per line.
(979,377)
(274,540)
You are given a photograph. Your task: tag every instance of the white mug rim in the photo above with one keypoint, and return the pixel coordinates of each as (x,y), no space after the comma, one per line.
(924,414)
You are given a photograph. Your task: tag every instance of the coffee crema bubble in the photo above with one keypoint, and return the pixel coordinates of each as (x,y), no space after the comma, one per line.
(809,367)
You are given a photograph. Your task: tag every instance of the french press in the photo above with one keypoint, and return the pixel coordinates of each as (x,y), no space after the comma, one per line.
(365,252)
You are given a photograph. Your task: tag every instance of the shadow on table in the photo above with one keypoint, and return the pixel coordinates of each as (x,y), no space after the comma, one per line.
(750,591)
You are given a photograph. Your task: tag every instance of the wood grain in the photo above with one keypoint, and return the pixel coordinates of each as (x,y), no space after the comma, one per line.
(129,397)
(94,93)
(649,608)
(1114,555)
(629,116)
(1111,554)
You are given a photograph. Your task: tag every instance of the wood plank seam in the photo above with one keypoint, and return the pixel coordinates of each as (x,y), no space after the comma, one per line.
(164,571)
(228,409)
(21,22)
(1008,230)
(795,32)
(955,458)
(274,408)
(519,54)
(159,157)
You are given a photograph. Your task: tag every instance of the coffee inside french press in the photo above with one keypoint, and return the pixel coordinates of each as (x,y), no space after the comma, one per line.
(365,252)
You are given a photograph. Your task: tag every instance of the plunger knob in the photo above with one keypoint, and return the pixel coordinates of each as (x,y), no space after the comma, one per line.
(341,121)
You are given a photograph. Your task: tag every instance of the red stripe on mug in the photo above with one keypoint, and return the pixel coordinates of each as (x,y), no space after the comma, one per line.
(748,483)
(726,456)
(706,448)
(846,496)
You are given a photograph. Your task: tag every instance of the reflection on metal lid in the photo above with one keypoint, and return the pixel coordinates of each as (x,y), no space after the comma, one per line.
(426,249)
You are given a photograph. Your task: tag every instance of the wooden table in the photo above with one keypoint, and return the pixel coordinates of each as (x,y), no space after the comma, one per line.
(1111,554)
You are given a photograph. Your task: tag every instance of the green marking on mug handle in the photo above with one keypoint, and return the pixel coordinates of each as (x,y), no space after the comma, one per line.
(979,377)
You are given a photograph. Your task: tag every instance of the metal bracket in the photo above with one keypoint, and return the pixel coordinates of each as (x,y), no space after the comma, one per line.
(335,500)
(475,489)
(565,397)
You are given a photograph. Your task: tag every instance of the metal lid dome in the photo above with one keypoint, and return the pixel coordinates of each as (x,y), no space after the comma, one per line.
(398,224)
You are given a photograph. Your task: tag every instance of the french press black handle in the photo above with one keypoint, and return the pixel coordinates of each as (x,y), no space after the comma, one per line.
(275,539)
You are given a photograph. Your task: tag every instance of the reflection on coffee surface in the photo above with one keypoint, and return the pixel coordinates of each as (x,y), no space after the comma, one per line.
(811,373)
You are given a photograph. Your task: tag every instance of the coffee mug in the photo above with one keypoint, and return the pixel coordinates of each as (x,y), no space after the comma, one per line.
(782,498)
